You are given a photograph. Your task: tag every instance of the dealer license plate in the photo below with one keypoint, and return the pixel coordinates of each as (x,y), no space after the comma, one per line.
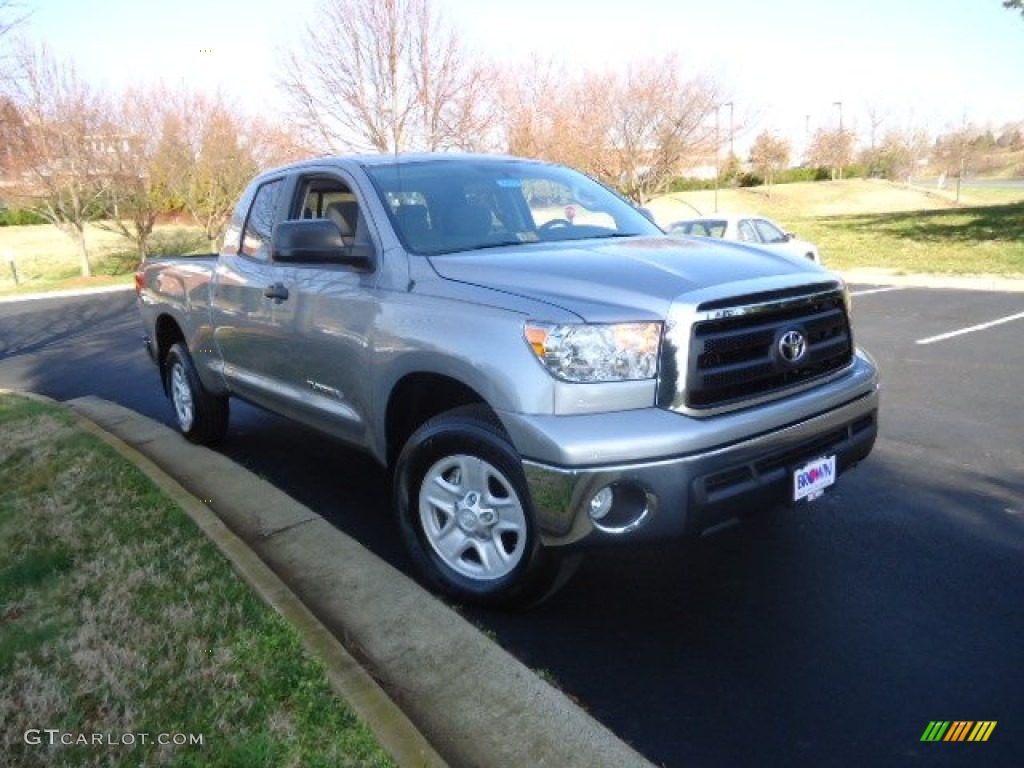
(811,480)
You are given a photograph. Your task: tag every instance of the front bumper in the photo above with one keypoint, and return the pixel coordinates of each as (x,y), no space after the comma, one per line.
(694,490)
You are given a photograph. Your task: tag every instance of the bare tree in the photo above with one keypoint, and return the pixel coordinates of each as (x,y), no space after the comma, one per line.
(633,130)
(659,121)
(61,150)
(12,127)
(177,151)
(225,149)
(385,76)
(899,154)
(12,14)
(550,116)
(831,149)
(136,192)
(221,166)
(956,151)
(769,154)
(268,142)
(454,104)
(876,119)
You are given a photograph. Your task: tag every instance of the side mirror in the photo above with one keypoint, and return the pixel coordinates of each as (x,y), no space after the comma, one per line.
(317,241)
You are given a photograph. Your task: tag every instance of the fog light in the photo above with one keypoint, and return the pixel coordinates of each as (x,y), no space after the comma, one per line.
(620,507)
(601,503)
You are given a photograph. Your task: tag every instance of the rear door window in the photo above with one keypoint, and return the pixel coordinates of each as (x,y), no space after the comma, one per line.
(260,223)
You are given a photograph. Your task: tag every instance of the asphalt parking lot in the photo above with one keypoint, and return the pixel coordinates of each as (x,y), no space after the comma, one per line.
(952,366)
(833,634)
(828,635)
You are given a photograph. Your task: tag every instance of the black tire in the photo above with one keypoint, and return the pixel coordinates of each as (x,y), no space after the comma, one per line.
(202,416)
(466,517)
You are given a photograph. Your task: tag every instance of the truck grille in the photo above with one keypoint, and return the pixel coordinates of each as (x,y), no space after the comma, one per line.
(756,345)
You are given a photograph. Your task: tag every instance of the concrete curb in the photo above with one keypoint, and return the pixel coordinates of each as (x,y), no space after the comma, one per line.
(12,297)
(472,701)
(877,276)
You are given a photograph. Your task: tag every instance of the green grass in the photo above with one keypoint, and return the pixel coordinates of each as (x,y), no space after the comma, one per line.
(118,617)
(965,241)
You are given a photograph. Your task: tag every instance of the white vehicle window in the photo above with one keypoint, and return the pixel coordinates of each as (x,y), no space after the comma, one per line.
(746,230)
(716,228)
(768,232)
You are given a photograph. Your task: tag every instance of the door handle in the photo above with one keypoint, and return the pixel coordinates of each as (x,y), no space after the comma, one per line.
(277,292)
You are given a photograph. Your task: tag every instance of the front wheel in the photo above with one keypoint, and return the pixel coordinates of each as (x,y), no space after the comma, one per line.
(201,415)
(465,513)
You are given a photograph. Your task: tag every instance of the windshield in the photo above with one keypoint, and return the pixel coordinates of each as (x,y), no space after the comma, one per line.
(460,204)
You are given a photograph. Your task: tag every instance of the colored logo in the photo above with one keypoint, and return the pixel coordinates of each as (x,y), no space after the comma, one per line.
(959,730)
(812,476)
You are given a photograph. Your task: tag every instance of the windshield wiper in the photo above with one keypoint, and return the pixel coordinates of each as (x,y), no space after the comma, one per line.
(498,244)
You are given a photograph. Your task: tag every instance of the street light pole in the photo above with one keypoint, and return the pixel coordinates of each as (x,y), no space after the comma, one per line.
(807,139)
(732,149)
(842,137)
(716,158)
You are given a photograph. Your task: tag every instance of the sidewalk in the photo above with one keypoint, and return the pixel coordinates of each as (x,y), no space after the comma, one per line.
(454,697)
(879,276)
(69,293)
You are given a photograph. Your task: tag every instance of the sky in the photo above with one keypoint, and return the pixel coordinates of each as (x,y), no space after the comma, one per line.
(783,64)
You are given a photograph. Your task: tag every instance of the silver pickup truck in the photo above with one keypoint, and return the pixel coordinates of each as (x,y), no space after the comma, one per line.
(538,365)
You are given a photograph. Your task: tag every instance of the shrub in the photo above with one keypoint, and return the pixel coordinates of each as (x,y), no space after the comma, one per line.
(19,217)
(685,184)
(855,171)
(180,241)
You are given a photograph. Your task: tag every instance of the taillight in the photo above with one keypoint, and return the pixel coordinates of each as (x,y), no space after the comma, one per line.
(140,281)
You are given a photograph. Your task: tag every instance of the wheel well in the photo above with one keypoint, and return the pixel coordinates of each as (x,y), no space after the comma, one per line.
(418,398)
(167,335)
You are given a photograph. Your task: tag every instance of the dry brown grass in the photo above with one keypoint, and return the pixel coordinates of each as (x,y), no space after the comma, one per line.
(805,200)
(47,259)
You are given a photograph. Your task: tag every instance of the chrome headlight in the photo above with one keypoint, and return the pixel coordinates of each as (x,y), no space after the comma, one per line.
(597,352)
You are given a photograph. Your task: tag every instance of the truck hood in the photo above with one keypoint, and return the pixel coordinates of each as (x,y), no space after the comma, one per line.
(632,278)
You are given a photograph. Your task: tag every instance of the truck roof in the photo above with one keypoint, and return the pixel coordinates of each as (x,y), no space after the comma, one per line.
(402,157)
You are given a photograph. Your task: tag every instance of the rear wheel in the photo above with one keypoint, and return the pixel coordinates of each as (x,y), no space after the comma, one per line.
(201,415)
(465,513)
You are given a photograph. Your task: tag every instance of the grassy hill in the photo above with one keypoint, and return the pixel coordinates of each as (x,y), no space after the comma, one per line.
(871,223)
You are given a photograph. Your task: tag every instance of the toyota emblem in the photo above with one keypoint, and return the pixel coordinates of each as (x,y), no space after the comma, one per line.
(793,346)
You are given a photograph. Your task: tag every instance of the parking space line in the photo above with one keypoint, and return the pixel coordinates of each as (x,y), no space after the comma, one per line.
(869,291)
(972,329)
